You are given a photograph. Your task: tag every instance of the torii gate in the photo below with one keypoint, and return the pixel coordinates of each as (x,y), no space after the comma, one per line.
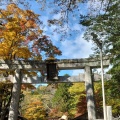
(65,64)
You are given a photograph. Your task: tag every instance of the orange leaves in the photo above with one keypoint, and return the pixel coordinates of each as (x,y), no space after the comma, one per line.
(31,14)
(45,44)
(17,23)
(5,13)
(56,51)
(22,25)
(35,110)
(9,35)
(11,7)
(40,31)
(1,16)
(27,86)
(22,28)
(32,36)
(31,24)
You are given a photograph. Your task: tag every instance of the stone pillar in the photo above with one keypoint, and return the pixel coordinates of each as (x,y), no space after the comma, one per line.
(14,105)
(89,94)
(109,113)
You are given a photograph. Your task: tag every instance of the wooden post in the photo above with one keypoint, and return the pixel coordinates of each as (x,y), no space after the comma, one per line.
(14,105)
(89,94)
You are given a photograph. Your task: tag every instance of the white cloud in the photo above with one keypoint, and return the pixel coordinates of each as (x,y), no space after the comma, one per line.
(78,48)
(76,27)
(97,6)
(77,72)
(57,16)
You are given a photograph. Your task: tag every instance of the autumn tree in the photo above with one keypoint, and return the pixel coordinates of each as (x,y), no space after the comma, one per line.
(66,9)
(21,36)
(35,110)
(79,103)
(77,90)
(43,94)
(61,99)
(5,98)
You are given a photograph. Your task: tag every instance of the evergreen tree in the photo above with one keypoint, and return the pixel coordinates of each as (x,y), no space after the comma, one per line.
(61,98)
(106,27)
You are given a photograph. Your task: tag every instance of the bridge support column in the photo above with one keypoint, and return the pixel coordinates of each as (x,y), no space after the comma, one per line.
(14,105)
(89,93)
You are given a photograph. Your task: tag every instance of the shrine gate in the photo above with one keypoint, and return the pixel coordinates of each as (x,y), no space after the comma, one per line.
(65,64)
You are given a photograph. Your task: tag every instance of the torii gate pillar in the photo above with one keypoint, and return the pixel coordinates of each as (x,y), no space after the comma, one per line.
(13,112)
(89,93)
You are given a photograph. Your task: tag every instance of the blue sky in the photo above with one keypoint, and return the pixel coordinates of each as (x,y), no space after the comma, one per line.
(72,46)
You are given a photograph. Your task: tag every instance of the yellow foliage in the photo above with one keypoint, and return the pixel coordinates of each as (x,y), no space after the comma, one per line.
(11,7)
(1,16)
(17,23)
(4,49)
(34,110)
(40,31)
(80,87)
(5,13)
(77,88)
(21,53)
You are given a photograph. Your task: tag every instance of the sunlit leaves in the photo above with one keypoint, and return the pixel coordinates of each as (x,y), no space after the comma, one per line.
(13,34)
(33,109)
(21,36)
(77,90)
(21,52)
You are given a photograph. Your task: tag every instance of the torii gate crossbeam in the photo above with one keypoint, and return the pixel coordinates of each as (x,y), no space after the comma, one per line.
(64,64)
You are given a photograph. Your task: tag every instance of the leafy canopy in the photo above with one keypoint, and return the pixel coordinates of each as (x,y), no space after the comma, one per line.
(21,36)
(61,99)
(105,26)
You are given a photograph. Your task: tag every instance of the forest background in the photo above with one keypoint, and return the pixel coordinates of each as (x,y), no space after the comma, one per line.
(28,37)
